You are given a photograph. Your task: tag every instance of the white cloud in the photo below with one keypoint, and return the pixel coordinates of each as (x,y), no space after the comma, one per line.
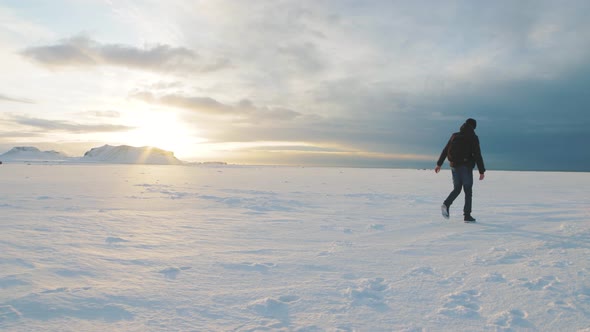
(83,51)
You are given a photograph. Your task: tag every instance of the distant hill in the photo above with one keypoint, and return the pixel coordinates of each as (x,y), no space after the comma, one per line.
(125,154)
(30,153)
(122,154)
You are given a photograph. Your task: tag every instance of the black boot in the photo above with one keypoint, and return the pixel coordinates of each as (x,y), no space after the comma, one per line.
(468,218)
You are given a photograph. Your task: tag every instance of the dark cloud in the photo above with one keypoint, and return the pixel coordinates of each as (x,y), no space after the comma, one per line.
(526,124)
(534,124)
(244,110)
(83,51)
(56,125)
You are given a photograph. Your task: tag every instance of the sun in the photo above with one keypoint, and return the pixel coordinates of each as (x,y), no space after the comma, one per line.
(163,130)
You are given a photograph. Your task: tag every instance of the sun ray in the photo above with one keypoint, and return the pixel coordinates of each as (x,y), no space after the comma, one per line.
(162,130)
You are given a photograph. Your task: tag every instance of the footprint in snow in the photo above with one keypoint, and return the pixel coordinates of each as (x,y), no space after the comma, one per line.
(495,277)
(173,272)
(273,308)
(462,305)
(511,320)
(542,283)
(560,306)
(369,292)
(499,256)
(457,279)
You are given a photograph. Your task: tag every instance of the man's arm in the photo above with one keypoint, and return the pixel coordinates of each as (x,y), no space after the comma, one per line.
(443,156)
(479,158)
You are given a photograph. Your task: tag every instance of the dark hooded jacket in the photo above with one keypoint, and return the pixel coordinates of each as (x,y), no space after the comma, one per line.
(474,155)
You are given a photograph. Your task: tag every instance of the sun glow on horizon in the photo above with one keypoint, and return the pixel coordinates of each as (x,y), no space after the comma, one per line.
(165,131)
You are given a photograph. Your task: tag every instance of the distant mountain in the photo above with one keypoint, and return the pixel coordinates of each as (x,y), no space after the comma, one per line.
(29,153)
(125,154)
(122,154)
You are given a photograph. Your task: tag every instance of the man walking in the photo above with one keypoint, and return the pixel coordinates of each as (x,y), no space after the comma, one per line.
(464,153)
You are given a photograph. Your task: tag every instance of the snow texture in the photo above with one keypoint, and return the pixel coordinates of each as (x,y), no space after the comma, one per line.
(179,248)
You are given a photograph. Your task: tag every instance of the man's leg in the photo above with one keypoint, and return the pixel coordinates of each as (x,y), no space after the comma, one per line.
(467,176)
(457,184)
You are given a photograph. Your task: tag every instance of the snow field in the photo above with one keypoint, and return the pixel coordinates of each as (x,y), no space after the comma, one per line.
(178,248)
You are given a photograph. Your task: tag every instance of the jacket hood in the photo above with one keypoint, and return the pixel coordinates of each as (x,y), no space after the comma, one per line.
(467,129)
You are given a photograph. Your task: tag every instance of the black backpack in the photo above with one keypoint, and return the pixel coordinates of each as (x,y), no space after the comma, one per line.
(459,148)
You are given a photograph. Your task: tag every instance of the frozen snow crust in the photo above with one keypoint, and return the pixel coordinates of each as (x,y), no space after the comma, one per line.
(184,248)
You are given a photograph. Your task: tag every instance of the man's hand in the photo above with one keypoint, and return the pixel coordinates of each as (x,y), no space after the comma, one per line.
(437,169)
(481,176)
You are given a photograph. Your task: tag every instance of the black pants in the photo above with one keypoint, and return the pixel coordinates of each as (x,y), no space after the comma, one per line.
(462,179)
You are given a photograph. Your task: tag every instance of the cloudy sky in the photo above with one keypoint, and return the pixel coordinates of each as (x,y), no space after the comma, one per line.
(318,82)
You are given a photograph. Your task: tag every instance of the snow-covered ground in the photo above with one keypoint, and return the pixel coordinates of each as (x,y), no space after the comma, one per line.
(180,248)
